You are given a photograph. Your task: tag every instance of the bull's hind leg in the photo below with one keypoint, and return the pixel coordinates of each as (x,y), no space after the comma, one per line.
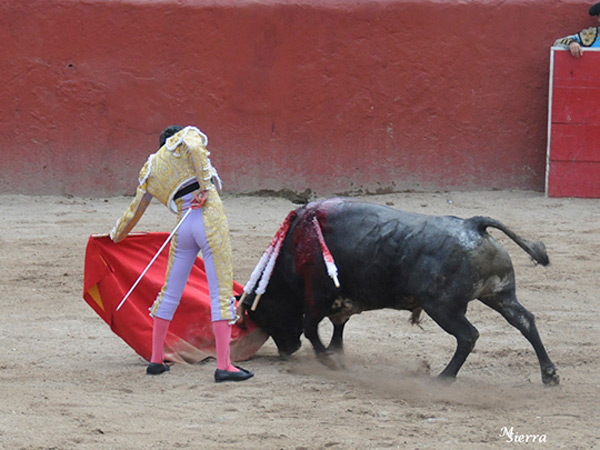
(506,303)
(454,322)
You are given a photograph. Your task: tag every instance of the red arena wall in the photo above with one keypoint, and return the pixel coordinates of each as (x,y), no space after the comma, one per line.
(330,95)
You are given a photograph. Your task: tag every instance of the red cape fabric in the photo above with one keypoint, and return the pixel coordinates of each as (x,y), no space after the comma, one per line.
(110,271)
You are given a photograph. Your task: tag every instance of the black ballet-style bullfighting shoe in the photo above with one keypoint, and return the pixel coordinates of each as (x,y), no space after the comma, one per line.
(226,375)
(157,368)
(242,369)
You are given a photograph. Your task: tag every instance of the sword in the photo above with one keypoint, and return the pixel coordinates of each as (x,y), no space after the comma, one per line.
(154,258)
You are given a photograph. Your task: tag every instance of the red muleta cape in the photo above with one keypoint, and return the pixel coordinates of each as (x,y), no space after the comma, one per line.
(111,269)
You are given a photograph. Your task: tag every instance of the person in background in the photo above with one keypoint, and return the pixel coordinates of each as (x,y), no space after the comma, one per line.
(181,176)
(587,38)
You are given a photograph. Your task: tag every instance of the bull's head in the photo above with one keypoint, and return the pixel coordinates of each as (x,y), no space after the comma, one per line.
(280,319)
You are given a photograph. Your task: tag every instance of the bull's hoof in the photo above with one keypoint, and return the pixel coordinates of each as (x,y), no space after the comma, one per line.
(445,379)
(335,349)
(331,360)
(550,377)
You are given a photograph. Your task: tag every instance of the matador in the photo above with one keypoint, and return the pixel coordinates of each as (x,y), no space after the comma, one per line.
(181,176)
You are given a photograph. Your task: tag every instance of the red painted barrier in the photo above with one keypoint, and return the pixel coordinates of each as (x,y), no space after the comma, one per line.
(573,160)
(334,96)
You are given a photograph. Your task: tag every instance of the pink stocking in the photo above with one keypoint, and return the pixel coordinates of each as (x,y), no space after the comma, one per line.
(222,331)
(159,334)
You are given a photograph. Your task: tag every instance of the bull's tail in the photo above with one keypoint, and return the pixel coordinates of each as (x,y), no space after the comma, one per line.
(535,249)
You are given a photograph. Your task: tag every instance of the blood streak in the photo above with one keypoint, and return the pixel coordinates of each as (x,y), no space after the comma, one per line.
(306,242)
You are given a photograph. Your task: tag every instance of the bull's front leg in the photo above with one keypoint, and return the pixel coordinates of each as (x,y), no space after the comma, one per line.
(337,338)
(311,332)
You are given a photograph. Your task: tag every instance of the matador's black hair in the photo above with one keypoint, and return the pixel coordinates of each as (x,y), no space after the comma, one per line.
(167,133)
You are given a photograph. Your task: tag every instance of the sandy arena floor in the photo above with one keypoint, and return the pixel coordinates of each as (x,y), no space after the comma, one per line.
(69,383)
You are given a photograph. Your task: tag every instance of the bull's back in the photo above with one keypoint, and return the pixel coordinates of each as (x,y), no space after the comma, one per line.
(378,234)
(385,256)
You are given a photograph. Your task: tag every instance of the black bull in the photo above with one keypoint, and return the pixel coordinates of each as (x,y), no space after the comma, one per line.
(388,258)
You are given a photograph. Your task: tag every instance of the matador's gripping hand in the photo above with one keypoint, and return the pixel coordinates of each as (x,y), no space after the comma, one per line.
(199,199)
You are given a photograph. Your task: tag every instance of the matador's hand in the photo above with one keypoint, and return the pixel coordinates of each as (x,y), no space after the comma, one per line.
(199,199)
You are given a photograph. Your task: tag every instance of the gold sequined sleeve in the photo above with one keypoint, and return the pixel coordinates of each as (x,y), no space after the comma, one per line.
(202,167)
(131,216)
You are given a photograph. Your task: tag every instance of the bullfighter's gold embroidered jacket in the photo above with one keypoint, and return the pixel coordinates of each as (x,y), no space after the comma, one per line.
(182,160)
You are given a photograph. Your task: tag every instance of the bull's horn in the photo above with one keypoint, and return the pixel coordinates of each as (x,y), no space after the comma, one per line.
(255,303)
